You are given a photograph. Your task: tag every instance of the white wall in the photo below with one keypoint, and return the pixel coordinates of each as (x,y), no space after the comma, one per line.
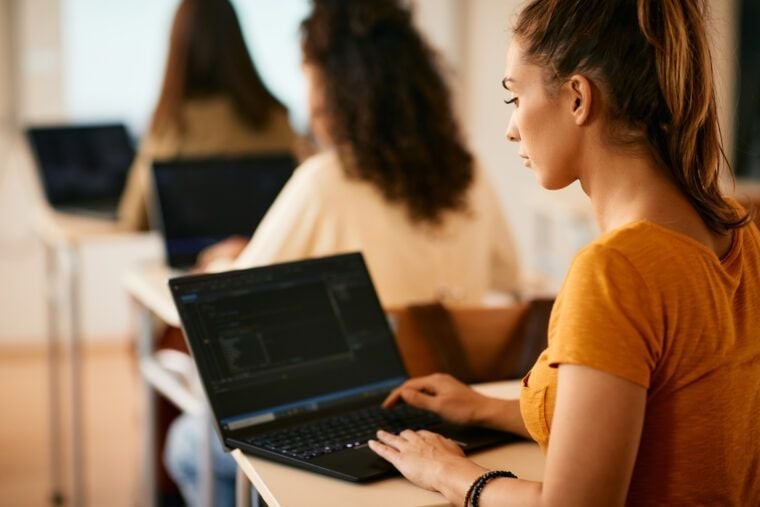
(114,52)
(724,37)
(36,35)
(272,33)
(113,56)
(7,85)
(22,289)
(30,32)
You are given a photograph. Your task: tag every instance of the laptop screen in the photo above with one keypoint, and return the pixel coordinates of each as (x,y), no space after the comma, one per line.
(82,162)
(202,202)
(288,338)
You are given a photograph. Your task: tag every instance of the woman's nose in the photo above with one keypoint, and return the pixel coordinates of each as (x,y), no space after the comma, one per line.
(512,133)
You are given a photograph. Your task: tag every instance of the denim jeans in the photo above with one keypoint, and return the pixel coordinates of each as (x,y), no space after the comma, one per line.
(182,456)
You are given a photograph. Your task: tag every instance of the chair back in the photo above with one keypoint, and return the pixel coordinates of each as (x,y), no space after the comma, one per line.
(478,344)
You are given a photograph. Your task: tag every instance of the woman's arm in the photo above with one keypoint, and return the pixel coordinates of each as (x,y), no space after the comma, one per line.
(502,415)
(595,435)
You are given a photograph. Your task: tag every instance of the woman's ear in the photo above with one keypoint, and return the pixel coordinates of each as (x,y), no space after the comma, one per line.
(581,95)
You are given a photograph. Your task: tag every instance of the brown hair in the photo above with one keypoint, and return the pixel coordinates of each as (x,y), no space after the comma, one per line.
(652,59)
(387,103)
(207,57)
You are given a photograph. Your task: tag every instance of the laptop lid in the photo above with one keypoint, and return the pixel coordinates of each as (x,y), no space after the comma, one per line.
(201,202)
(82,166)
(287,339)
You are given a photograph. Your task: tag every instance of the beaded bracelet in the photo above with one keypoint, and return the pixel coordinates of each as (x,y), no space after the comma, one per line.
(477,486)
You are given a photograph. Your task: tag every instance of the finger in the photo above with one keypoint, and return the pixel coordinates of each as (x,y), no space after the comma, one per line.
(388,453)
(426,384)
(395,441)
(392,398)
(409,435)
(202,258)
(429,435)
(419,399)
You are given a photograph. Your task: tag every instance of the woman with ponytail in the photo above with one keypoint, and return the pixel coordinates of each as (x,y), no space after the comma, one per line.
(649,390)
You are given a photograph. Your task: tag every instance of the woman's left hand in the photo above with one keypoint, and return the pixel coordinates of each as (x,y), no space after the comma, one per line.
(422,457)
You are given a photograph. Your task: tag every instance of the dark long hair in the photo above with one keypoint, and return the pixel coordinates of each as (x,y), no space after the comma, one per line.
(653,60)
(387,104)
(208,57)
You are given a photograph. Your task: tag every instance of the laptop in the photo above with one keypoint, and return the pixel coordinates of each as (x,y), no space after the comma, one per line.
(295,359)
(83,168)
(202,202)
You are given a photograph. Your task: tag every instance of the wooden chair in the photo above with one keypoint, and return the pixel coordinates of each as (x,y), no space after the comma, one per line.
(473,344)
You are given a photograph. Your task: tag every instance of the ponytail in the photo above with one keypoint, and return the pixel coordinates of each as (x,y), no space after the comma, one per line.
(658,75)
(690,143)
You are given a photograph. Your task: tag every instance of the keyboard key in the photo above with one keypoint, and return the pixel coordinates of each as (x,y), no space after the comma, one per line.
(345,431)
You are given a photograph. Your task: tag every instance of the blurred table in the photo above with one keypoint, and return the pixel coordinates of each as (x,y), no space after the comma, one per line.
(62,236)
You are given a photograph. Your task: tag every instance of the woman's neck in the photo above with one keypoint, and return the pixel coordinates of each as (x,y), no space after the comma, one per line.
(623,187)
(626,187)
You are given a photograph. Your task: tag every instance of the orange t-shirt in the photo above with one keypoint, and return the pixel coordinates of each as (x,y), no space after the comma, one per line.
(658,308)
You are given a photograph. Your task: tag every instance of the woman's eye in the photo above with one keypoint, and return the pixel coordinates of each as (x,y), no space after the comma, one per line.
(513,100)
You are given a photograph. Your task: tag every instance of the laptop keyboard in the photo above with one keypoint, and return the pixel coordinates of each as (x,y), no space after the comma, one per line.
(345,431)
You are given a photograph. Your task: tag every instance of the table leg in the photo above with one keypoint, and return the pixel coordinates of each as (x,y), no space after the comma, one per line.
(206,465)
(77,407)
(242,489)
(148,469)
(54,373)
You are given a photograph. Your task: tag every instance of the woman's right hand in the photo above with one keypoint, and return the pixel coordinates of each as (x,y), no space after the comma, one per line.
(226,250)
(442,394)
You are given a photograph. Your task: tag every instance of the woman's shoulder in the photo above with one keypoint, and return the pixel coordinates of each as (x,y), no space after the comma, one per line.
(321,175)
(217,118)
(654,250)
(320,166)
(636,241)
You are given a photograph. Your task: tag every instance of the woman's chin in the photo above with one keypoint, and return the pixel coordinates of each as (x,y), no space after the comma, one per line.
(549,183)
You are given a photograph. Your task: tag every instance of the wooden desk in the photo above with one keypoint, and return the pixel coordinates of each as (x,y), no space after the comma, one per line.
(149,285)
(284,486)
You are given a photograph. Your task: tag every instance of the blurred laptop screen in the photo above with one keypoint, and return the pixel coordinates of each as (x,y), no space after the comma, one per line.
(82,163)
(202,202)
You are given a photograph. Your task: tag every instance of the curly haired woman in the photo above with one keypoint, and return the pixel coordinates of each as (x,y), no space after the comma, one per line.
(394,180)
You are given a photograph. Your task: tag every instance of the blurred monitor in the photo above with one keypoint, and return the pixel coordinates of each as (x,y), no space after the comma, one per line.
(201,202)
(83,168)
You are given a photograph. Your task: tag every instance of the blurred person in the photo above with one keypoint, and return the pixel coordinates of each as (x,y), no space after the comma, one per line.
(394,180)
(212,103)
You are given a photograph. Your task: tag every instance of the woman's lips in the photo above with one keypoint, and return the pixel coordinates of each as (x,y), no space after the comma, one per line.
(526,160)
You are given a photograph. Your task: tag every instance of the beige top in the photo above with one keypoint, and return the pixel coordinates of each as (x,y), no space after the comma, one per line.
(321,212)
(212,128)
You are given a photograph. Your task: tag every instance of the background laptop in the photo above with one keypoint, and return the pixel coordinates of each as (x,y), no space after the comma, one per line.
(201,202)
(83,168)
(295,359)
